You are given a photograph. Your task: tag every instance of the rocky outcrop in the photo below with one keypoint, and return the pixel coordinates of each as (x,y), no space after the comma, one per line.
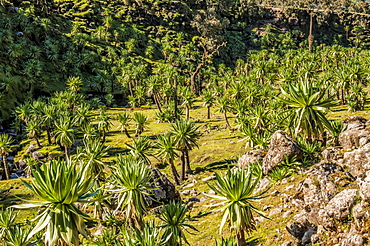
(358,161)
(281,145)
(355,134)
(252,156)
(333,155)
(164,191)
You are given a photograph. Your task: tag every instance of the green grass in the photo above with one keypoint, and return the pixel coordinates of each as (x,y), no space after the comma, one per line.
(219,149)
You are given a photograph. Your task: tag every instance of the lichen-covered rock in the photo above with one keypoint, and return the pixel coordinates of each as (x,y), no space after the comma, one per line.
(281,145)
(364,187)
(252,156)
(340,206)
(337,209)
(164,191)
(355,134)
(332,154)
(358,160)
(353,240)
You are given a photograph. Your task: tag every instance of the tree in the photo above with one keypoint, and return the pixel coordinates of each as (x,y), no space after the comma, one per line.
(167,151)
(175,219)
(208,101)
(5,148)
(141,148)
(140,123)
(186,135)
(236,191)
(188,100)
(59,185)
(224,107)
(124,119)
(92,155)
(308,106)
(64,134)
(104,123)
(48,119)
(131,179)
(33,131)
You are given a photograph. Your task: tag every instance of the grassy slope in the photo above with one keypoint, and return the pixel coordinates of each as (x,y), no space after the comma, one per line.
(218,149)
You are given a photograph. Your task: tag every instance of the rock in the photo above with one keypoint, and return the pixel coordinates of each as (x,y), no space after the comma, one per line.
(332,154)
(364,187)
(275,211)
(252,156)
(189,186)
(185,192)
(281,146)
(37,155)
(31,148)
(287,213)
(287,244)
(307,236)
(355,134)
(262,185)
(211,192)
(208,178)
(296,229)
(358,161)
(360,215)
(340,206)
(165,190)
(194,199)
(353,240)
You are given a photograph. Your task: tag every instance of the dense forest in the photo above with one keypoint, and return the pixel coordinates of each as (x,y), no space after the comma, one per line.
(125,119)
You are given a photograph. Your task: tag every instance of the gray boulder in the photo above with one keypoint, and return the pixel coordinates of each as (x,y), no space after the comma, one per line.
(252,156)
(332,154)
(355,134)
(164,191)
(353,240)
(338,208)
(358,160)
(281,145)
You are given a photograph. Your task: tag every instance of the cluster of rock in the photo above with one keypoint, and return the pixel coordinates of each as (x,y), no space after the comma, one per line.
(334,199)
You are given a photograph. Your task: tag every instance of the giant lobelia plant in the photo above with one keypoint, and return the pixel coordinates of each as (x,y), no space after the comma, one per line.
(59,185)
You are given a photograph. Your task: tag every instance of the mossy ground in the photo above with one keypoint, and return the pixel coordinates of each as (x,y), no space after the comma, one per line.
(219,149)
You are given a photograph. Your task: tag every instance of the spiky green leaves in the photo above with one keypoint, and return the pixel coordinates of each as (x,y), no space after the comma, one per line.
(308,106)
(59,185)
(236,189)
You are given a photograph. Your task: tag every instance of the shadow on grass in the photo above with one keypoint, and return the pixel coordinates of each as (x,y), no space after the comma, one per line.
(254,241)
(227,163)
(8,199)
(116,151)
(200,215)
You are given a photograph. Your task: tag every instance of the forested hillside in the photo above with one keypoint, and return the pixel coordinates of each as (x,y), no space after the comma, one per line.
(165,123)
(115,47)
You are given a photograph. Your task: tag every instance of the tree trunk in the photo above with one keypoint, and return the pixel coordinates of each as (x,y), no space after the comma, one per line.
(104,133)
(175,97)
(66,150)
(37,142)
(49,135)
(227,121)
(6,168)
(127,134)
(174,172)
(187,112)
(182,158)
(240,239)
(208,112)
(187,161)
(156,101)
